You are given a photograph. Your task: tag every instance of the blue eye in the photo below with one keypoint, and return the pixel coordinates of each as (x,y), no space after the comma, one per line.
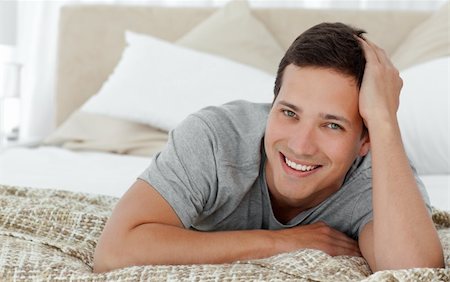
(288,113)
(334,126)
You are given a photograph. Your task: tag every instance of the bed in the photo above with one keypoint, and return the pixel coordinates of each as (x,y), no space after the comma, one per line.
(116,101)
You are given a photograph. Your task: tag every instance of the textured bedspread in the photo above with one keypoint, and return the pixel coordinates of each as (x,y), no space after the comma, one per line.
(49,235)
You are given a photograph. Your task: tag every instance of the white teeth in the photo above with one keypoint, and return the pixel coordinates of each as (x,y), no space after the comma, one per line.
(299,166)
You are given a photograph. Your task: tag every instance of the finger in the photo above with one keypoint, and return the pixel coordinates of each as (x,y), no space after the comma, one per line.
(369,52)
(344,251)
(345,242)
(339,242)
(338,235)
(332,231)
(380,53)
(389,70)
(350,247)
(340,248)
(345,247)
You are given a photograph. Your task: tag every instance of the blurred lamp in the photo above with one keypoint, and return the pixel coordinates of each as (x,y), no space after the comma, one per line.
(10,102)
(8,13)
(9,74)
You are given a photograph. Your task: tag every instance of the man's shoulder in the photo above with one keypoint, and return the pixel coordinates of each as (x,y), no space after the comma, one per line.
(234,130)
(360,170)
(236,110)
(240,116)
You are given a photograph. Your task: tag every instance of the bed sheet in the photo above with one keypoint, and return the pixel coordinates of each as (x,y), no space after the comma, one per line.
(57,168)
(438,188)
(41,239)
(112,174)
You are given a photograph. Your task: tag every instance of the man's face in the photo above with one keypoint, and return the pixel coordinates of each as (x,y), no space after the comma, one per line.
(313,135)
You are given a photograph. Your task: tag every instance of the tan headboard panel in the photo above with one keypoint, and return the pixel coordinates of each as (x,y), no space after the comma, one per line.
(91,37)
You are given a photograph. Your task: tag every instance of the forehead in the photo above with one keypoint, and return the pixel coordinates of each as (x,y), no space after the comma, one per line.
(293,73)
(320,89)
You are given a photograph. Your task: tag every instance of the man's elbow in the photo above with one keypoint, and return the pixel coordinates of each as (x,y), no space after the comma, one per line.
(99,266)
(109,254)
(103,259)
(432,259)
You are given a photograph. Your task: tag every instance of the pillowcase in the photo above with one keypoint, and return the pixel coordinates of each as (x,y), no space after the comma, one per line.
(424,116)
(233,32)
(86,131)
(159,84)
(427,41)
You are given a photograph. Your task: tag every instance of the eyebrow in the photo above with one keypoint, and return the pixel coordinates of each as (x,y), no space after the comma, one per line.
(337,118)
(287,104)
(322,115)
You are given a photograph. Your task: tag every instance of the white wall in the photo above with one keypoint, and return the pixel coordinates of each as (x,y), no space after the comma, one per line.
(36,44)
(8,12)
(8,18)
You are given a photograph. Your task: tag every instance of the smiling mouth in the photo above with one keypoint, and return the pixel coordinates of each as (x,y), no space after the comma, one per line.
(298,166)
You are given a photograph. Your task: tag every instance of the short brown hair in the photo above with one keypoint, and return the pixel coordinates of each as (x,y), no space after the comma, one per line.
(327,45)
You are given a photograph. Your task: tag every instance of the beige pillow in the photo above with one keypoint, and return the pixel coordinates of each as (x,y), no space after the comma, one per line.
(87,131)
(429,40)
(233,32)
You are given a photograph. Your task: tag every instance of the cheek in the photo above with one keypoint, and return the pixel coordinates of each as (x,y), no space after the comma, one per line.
(341,151)
(274,139)
(274,131)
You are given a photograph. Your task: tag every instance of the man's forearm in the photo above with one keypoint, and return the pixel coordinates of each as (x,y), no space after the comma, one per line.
(144,229)
(155,243)
(184,246)
(404,234)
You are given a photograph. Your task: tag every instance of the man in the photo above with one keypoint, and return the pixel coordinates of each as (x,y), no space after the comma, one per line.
(304,179)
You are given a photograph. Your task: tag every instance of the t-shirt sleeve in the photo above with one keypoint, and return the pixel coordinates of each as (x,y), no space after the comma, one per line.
(184,172)
(363,210)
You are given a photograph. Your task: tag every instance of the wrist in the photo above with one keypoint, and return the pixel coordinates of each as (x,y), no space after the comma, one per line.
(274,242)
(380,121)
(266,243)
(282,241)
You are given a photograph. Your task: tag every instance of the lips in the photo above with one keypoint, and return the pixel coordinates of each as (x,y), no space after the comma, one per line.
(299,167)
(302,168)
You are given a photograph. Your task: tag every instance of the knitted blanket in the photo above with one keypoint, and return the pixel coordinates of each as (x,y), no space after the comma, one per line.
(50,235)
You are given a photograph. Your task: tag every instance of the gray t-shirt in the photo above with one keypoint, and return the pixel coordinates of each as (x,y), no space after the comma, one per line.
(212,174)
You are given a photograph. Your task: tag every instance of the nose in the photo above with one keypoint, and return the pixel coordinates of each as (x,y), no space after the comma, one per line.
(303,141)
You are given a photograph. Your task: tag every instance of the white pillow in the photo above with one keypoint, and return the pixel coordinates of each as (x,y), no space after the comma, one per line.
(424,116)
(159,83)
(234,33)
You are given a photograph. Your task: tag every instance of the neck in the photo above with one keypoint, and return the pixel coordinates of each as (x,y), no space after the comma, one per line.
(282,212)
(284,215)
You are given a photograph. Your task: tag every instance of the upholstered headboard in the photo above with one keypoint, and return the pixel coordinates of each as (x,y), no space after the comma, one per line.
(91,37)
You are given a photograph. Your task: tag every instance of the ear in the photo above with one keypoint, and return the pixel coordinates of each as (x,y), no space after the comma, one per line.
(365,145)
